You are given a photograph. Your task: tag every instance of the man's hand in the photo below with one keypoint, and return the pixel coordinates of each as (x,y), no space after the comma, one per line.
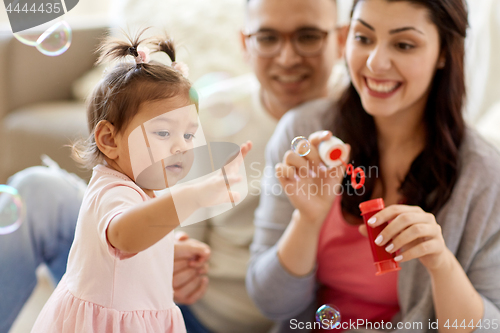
(190,268)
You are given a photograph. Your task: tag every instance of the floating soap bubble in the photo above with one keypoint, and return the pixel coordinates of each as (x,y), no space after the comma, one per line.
(51,39)
(223,114)
(329,316)
(56,40)
(11,210)
(210,79)
(301,146)
(28,37)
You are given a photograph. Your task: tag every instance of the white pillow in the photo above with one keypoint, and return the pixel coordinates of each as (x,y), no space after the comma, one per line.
(206,32)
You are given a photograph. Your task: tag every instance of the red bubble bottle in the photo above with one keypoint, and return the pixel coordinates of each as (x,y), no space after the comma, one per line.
(384,261)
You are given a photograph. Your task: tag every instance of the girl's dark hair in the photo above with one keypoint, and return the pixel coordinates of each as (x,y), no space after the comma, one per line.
(127,85)
(433,173)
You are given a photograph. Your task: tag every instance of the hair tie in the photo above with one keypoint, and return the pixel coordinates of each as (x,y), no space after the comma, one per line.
(133,51)
(140,54)
(181,68)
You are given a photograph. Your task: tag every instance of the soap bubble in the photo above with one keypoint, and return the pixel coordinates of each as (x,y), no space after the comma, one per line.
(51,39)
(329,316)
(11,209)
(211,78)
(56,40)
(301,146)
(28,37)
(223,114)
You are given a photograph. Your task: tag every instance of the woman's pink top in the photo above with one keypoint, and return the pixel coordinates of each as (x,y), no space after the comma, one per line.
(347,274)
(103,289)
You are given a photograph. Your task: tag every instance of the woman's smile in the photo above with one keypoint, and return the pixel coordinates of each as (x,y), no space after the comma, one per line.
(382,88)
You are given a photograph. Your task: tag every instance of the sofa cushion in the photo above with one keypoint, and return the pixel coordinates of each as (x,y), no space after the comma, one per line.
(43,128)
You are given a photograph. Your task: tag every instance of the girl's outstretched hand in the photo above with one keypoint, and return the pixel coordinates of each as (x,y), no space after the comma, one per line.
(308,183)
(414,232)
(215,190)
(245,148)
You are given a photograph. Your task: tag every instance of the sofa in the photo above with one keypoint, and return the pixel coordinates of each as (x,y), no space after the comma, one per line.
(38,111)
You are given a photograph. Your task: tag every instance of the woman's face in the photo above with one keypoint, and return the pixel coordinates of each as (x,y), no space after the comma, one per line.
(393,52)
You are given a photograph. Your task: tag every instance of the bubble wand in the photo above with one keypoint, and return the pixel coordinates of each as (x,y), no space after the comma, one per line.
(332,152)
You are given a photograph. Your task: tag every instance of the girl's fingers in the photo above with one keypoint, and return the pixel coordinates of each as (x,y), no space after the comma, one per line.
(235,162)
(203,270)
(302,166)
(245,148)
(412,244)
(402,222)
(313,159)
(391,212)
(181,235)
(198,263)
(424,248)
(183,277)
(182,294)
(362,230)
(317,137)
(198,292)
(293,159)
(284,171)
(181,264)
(411,234)
(189,249)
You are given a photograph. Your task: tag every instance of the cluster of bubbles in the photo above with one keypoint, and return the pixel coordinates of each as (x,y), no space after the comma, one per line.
(301,146)
(328,313)
(51,41)
(11,210)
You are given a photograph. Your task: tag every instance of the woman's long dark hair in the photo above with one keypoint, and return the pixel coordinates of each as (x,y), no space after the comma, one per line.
(433,173)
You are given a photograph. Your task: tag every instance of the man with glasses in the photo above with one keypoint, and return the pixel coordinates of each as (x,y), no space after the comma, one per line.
(291,46)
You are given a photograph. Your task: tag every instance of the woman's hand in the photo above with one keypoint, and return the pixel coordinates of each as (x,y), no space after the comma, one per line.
(308,183)
(414,232)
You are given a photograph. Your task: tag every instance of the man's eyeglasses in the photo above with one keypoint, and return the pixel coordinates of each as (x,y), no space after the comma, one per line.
(305,42)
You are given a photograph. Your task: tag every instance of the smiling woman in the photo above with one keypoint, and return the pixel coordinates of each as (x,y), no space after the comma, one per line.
(398,69)
(402,113)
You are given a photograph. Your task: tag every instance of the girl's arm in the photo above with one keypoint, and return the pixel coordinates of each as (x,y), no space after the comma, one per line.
(143,225)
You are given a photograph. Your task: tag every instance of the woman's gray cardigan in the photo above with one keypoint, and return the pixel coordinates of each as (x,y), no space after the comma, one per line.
(470,222)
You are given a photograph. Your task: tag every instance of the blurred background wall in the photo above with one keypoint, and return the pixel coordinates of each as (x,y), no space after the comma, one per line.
(41,98)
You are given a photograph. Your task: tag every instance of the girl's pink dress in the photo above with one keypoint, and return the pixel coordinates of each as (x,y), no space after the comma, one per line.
(105,290)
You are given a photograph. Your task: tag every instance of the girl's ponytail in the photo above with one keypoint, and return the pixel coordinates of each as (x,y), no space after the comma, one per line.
(126,85)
